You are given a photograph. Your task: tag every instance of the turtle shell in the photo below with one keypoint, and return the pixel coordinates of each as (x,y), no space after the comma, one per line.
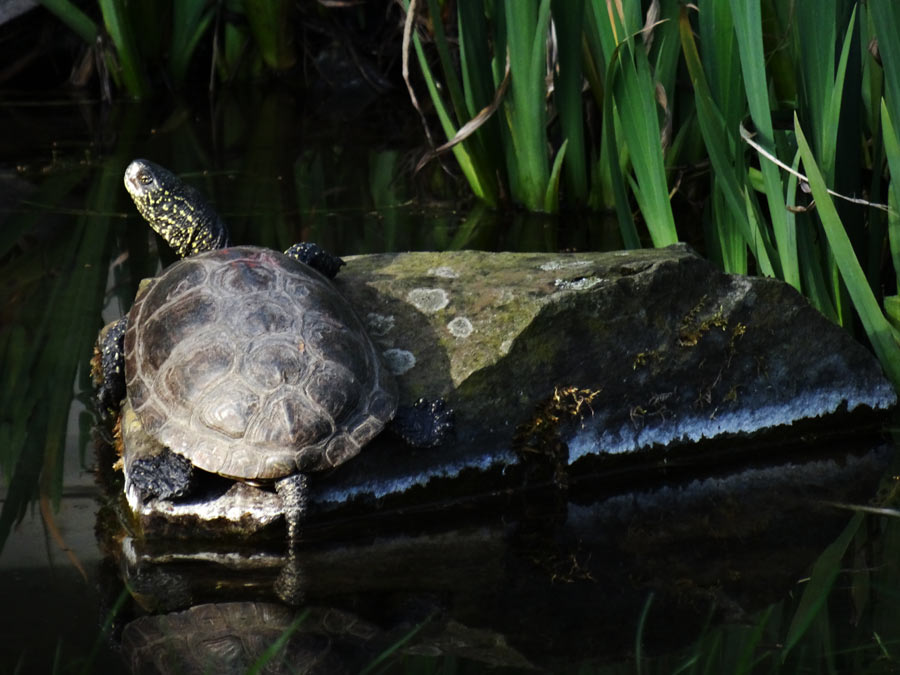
(253,366)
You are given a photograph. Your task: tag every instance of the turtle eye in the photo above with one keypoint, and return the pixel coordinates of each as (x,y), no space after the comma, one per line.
(145,178)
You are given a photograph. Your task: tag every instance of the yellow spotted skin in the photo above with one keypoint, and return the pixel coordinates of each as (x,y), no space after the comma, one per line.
(177,211)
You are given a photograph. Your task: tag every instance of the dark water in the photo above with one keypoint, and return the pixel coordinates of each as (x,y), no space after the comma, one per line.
(690,573)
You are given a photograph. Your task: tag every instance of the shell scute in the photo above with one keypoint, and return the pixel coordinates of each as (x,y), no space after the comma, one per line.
(335,389)
(196,372)
(227,409)
(166,289)
(164,330)
(266,317)
(340,448)
(272,363)
(240,278)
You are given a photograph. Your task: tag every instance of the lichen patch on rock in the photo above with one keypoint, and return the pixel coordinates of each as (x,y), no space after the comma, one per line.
(379,325)
(460,327)
(581,284)
(555,265)
(444,272)
(428,300)
(399,361)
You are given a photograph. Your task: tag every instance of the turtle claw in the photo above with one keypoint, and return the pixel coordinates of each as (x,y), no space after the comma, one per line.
(316,257)
(425,424)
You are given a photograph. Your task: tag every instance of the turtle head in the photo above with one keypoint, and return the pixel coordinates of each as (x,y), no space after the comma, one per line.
(177,211)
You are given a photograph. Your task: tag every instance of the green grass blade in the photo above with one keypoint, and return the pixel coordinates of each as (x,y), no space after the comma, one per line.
(639,635)
(527,25)
(118,25)
(721,61)
(474,56)
(481,183)
(728,233)
(722,152)
(190,21)
(870,314)
(479,87)
(833,102)
(814,32)
(665,48)
(634,90)
(262,663)
(74,18)
(886,19)
(815,279)
(551,197)
(451,79)
(630,237)
(383,656)
(824,573)
(748,28)
(568,16)
(892,150)
(271,30)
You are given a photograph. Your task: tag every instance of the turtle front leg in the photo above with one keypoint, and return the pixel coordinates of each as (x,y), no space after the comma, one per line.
(108,366)
(316,257)
(294,493)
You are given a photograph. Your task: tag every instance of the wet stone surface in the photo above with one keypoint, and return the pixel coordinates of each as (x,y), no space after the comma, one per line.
(559,364)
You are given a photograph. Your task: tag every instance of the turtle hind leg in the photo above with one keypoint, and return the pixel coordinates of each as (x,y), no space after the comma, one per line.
(294,493)
(108,367)
(316,257)
(425,424)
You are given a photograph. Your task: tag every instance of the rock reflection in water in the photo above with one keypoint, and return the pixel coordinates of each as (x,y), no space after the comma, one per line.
(555,582)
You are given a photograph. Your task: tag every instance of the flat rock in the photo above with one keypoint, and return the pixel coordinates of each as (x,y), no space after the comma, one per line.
(555,363)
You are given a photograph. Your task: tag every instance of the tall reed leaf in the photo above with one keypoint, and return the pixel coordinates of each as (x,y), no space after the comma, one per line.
(822,578)
(873,320)
(610,153)
(479,179)
(527,24)
(269,24)
(886,19)
(748,28)
(568,16)
(722,150)
(130,67)
(892,150)
(74,18)
(634,89)
(551,195)
(190,21)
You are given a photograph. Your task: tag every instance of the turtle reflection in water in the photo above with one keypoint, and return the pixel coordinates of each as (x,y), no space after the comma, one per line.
(242,637)
(245,362)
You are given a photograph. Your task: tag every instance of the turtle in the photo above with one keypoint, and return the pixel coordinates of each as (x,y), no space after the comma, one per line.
(244,361)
